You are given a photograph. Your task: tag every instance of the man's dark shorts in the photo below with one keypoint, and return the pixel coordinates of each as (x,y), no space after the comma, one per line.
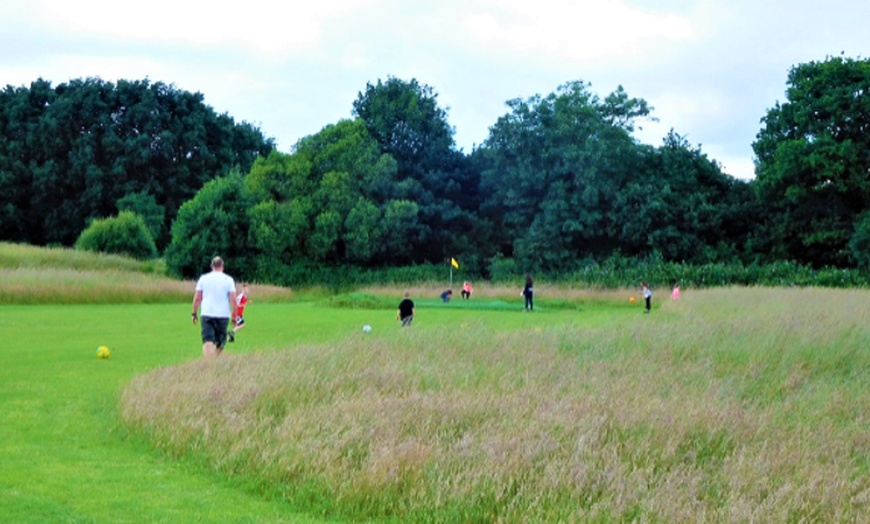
(214,330)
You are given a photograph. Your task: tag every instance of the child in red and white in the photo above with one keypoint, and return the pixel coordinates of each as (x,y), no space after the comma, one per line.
(241,302)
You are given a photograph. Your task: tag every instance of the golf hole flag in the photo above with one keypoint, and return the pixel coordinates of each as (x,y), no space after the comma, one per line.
(454,263)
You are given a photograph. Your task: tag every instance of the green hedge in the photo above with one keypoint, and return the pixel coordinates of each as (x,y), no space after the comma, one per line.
(623,272)
(615,272)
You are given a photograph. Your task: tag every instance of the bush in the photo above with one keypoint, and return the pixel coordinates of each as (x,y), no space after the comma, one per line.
(125,234)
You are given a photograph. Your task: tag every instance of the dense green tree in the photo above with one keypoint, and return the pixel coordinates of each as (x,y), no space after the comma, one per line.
(406,121)
(553,167)
(70,152)
(213,223)
(334,200)
(813,167)
(860,241)
(681,205)
(350,178)
(146,206)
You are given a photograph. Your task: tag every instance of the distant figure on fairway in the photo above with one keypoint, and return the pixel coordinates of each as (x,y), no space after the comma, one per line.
(466,290)
(216,293)
(406,310)
(529,293)
(446,295)
(241,303)
(647,296)
(675,294)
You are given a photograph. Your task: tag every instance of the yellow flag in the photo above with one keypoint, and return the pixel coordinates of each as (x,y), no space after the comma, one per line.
(454,263)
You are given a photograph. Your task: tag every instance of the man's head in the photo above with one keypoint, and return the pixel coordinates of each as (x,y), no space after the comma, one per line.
(217,264)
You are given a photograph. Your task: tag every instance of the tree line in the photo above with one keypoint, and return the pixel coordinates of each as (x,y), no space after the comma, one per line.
(560,182)
(89,149)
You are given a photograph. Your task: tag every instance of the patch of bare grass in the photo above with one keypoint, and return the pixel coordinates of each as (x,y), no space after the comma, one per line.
(729,405)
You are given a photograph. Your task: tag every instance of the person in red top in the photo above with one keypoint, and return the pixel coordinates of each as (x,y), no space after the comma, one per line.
(466,290)
(241,302)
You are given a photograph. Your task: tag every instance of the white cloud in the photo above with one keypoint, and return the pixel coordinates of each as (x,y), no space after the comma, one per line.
(556,30)
(268,27)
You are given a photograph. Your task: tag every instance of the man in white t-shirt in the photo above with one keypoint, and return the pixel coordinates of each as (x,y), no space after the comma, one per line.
(216,293)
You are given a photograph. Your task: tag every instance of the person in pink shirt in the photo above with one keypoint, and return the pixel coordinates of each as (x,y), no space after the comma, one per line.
(466,290)
(675,294)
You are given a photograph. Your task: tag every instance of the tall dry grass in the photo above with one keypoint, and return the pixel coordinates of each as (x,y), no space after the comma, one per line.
(70,286)
(38,275)
(732,405)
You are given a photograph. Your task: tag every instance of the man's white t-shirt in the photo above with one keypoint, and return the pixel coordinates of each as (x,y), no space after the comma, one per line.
(216,288)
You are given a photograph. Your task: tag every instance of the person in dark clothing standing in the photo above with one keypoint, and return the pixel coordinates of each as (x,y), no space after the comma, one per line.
(406,310)
(647,296)
(529,293)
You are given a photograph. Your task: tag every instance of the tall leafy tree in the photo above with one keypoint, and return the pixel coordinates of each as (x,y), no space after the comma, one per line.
(408,124)
(813,162)
(553,167)
(335,200)
(350,177)
(214,222)
(681,205)
(69,153)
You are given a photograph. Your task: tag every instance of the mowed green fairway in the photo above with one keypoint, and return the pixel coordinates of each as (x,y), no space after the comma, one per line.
(63,453)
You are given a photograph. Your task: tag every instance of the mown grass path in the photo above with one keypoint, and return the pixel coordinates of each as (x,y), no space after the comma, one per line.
(63,453)
(64,456)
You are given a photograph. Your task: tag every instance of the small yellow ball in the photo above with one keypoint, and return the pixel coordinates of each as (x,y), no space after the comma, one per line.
(103,352)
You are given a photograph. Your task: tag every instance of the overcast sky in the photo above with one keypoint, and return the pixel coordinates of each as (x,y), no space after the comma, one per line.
(710,68)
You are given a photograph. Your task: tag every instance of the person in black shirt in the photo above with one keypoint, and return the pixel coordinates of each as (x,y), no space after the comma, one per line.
(529,293)
(406,310)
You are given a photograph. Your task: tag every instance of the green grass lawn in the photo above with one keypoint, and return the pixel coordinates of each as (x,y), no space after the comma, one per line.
(64,454)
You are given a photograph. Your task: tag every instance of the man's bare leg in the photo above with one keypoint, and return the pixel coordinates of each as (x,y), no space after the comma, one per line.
(209,349)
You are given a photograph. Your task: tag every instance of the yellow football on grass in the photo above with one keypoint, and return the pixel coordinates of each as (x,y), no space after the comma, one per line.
(103,352)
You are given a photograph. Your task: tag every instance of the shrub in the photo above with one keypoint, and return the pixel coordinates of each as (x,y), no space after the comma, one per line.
(125,234)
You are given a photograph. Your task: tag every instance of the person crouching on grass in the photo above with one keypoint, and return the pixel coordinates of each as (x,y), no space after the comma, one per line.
(216,294)
(466,290)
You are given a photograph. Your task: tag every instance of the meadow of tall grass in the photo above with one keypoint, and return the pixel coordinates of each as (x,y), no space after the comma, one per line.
(732,404)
